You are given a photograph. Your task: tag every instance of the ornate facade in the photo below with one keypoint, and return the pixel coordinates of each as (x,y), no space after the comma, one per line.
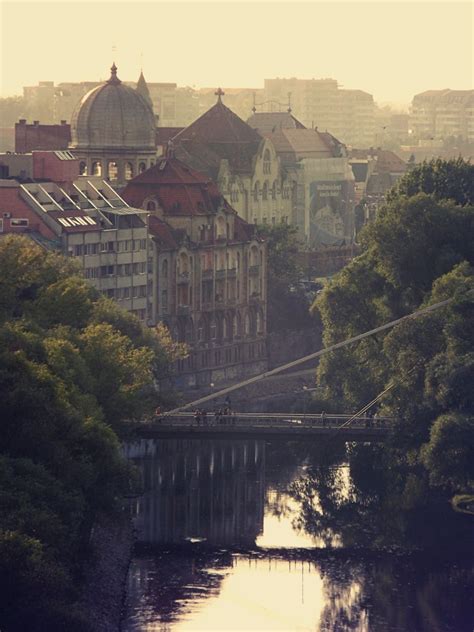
(209,273)
(244,164)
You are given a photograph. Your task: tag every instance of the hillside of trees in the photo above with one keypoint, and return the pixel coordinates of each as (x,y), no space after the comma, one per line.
(73,367)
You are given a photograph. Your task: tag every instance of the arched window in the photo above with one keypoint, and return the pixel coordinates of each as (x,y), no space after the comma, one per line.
(274,190)
(255,191)
(128,171)
(247,324)
(221,227)
(164,269)
(141,167)
(234,326)
(238,261)
(267,166)
(112,170)
(82,168)
(151,206)
(225,330)
(265,191)
(96,168)
(213,329)
(183,263)
(238,325)
(201,330)
(259,322)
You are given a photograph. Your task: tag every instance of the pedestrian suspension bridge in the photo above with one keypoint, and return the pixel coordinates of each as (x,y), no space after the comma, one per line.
(193,420)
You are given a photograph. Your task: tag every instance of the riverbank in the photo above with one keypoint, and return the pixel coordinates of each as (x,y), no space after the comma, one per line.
(103,597)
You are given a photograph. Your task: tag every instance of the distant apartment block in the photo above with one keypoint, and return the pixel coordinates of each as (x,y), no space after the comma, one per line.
(348,115)
(439,114)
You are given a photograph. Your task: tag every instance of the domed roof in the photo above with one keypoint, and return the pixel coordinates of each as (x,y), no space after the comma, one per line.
(113,116)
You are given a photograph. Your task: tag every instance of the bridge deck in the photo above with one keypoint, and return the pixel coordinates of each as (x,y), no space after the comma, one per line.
(287,425)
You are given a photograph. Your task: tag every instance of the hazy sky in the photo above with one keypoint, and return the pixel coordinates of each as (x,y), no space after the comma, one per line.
(390,49)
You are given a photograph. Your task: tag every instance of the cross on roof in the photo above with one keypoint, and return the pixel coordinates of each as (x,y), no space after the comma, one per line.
(219,93)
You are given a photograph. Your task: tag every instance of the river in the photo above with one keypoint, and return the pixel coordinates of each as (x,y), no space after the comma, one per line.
(254,535)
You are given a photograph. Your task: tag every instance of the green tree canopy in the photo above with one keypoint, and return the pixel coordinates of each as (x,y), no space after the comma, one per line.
(72,367)
(417,252)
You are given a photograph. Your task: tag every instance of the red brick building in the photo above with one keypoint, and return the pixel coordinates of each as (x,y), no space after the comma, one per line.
(36,136)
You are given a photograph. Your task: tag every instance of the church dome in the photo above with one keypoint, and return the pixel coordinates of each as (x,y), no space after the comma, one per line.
(113,116)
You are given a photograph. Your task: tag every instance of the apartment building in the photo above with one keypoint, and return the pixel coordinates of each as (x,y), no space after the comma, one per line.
(84,218)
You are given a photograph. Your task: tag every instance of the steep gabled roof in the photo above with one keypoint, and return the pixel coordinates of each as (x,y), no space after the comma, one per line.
(217,135)
(219,125)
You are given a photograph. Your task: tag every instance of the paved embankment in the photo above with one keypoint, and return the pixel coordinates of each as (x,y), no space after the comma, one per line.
(112,542)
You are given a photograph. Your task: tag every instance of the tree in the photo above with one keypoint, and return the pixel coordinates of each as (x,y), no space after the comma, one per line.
(449,454)
(417,252)
(72,366)
(288,306)
(444,179)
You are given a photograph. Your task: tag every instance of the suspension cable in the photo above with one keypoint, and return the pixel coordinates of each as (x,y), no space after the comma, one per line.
(311,356)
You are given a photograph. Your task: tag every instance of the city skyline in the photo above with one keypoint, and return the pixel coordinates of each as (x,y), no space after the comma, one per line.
(371,47)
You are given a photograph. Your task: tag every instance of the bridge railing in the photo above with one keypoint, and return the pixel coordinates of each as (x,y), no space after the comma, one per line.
(267,420)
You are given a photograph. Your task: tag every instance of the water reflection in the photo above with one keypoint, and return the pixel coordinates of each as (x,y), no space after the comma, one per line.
(243,535)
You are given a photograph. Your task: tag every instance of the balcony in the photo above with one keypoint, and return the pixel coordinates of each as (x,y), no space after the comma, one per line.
(207,274)
(183,310)
(183,277)
(220,274)
(254,270)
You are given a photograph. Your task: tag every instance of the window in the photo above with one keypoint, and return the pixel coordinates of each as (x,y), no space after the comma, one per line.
(265,191)
(267,166)
(164,300)
(142,291)
(110,293)
(19,222)
(128,171)
(96,168)
(255,191)
(112,171)
(91,249)
(82,169)
(139,268)
(141,167)
(164,269)
(126,292)
(107,246)
(274,191)
(151,206)
(106,271)
(78,250)
(213,330)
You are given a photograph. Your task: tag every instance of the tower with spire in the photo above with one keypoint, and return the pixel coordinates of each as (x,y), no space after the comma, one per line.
(142,89)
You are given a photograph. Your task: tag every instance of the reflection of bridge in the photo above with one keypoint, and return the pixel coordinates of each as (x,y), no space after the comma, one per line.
(287,425)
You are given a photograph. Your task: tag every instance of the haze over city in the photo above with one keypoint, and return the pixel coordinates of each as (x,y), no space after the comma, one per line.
(391,49)
(236,316)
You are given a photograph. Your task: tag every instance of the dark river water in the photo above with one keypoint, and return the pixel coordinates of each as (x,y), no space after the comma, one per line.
(254,535)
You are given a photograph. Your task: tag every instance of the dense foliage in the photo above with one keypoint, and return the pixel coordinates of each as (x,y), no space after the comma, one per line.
(419,251)
(287,306)
(73,366)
